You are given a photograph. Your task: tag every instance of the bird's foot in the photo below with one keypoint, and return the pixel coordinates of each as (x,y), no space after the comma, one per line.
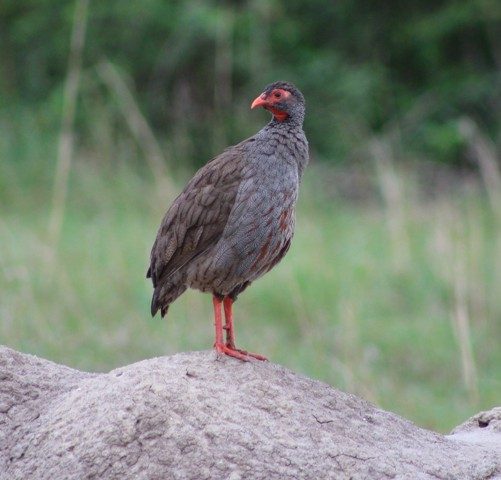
(231,351)
(253,355)
(231,345)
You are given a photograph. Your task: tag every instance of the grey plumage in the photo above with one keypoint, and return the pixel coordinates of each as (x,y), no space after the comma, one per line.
(235,219)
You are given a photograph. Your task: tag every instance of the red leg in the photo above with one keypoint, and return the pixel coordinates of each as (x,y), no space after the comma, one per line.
(228,314)
(230,334)
(218,323)
(218,320)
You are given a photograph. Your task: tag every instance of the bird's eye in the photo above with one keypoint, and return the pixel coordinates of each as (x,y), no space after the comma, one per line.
(277,94)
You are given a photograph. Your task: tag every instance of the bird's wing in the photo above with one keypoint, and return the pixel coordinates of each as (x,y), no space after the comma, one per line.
(198,216)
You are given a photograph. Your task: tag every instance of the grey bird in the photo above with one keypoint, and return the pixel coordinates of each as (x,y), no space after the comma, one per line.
(234,220)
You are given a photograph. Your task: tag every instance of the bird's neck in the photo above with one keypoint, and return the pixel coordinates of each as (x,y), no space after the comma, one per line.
(290,123)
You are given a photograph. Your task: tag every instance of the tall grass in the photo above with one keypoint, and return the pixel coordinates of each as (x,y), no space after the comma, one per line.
(395,298)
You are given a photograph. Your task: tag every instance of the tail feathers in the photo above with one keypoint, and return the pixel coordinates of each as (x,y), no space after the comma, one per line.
(154,304)
(163,296)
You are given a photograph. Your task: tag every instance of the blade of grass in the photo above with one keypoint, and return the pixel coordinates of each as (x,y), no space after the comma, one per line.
(137,123)
(390,185)
(66,136)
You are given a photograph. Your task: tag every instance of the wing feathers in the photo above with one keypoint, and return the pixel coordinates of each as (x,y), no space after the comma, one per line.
(198,216)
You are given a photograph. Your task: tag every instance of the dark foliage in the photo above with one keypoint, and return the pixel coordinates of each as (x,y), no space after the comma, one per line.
(367,68)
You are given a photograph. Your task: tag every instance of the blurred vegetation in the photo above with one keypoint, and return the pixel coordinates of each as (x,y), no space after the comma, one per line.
(365,67)
(391,287)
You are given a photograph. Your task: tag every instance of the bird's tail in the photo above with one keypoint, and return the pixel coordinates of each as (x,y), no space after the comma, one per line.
(164,295)
(155,305)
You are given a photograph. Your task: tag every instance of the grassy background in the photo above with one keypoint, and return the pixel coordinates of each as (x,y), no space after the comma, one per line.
(393,296)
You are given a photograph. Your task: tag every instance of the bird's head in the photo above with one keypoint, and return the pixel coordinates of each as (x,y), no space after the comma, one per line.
(283,100)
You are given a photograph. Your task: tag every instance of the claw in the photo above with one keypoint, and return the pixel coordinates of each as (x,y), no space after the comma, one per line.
(250,354)
(223,349)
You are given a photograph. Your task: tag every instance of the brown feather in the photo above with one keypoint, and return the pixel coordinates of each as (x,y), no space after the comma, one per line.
(189,227)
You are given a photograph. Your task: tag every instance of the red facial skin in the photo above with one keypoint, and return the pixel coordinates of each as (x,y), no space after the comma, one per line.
(268,101)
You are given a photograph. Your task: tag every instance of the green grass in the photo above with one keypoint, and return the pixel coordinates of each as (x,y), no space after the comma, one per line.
(367,299)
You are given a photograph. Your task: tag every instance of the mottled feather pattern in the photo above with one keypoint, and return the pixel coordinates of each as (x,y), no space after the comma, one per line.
(234,220)
(189,226)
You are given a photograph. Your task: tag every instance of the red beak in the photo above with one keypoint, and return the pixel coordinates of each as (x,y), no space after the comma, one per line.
(259,101)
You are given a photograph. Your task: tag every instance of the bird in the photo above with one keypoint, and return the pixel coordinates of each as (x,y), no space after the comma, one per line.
(234,220)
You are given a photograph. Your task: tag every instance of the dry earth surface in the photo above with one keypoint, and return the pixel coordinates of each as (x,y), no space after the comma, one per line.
(195,416)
